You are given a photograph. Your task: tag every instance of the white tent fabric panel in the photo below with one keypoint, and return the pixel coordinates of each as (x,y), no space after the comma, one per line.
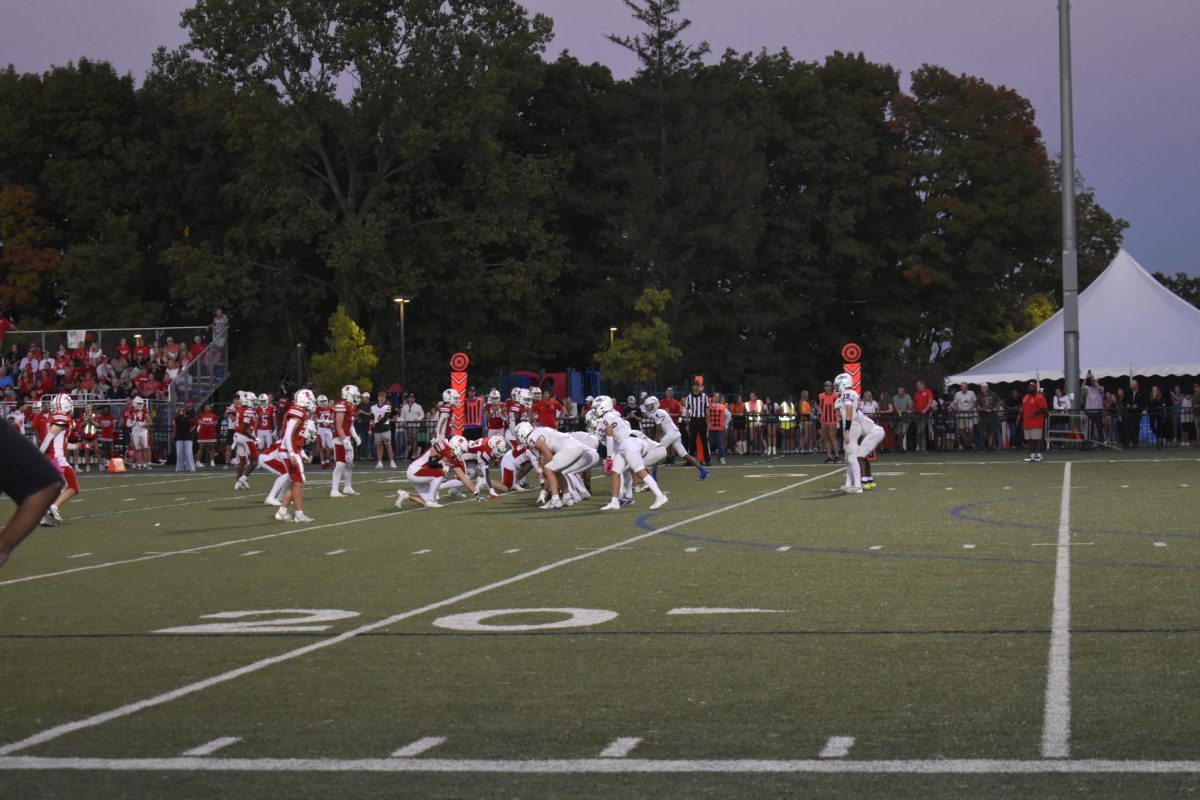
(1129,323)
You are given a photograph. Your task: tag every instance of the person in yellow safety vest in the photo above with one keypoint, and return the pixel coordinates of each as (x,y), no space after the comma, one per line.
(787,424)
(755,411)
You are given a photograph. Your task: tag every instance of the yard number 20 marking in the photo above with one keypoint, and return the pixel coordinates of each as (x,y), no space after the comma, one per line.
(287,620)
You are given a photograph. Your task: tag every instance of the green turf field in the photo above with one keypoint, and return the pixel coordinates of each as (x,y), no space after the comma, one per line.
(762,635)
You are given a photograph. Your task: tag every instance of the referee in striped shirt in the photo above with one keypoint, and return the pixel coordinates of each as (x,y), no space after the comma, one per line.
(695,412)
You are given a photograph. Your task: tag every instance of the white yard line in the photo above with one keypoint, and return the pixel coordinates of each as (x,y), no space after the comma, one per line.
(698,610)
(123,711)
(1056,727)
(209,748)
(533,766)
(419,746)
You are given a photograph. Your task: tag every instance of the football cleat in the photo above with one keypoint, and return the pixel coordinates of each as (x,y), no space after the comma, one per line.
(271,501)
(613,505)
(335,493)
(703,474)
(401,496)
(659,503)
(282,515)
(349,491)
(302,517)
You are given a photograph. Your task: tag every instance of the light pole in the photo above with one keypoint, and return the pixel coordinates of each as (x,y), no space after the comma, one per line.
(612,337)
(400,301)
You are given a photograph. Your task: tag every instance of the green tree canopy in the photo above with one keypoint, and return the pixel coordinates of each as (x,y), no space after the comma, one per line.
(350,358)
(644,348)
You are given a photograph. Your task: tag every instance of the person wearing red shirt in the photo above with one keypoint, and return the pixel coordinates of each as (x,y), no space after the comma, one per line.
(206,434)
(6,325)
(124,351)
(546,409)
(79,354)
(672,406)
(26,382)
(827,406)
(197,348)
(923,405)
(1033,419)
(108,435)
(141,353)
(47,381)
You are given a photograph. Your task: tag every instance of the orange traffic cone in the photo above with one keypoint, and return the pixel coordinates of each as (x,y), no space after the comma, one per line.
(116,465)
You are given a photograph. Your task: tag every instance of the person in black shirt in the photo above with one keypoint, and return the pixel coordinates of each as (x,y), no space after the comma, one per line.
(30,480)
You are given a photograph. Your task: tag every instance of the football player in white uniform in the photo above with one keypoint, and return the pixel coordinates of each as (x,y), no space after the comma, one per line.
(860,435)
(625,452)
(562,455)
(668,434)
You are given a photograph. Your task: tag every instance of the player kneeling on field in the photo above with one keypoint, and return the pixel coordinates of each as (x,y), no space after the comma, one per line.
(430,471)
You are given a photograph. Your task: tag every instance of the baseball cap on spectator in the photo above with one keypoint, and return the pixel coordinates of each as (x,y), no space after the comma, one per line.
(587,399)
(1032,385)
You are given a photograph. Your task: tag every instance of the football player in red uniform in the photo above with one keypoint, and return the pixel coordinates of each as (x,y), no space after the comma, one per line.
(296,431)
(54,445)
(445,412)
(137,423)
(429,473)
(345,439)
(516,411)
(265,426)
(324,420)
(481,454)
(244,443)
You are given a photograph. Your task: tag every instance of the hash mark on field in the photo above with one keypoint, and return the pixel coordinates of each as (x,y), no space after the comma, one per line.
(968,547)
(691,549)
(79,555)
(876,547)
(213,746)
(335,552)
(129,499)
(837,747)
(177,499)
(251,553)
(701,610)
(783,549)
(421,552)
(1160,544)
(619,748)
(1124,485)
(419,746)
(514,550)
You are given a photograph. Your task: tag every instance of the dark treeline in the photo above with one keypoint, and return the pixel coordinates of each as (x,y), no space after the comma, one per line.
(304,154)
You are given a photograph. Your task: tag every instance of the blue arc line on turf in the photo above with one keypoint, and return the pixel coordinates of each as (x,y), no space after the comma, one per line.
(644,523)
(961,512)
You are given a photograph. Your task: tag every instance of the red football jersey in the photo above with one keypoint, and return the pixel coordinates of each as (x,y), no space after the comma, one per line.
(347,410)
(266,418)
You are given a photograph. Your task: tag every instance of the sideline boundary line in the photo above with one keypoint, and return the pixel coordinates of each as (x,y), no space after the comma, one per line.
(1056,726)
(123,711)
(964,766)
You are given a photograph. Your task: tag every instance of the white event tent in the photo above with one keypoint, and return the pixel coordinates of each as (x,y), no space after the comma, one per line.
(1129,324)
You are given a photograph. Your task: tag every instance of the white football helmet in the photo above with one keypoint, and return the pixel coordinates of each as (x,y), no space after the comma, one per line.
(249,400)
(513,394)
(452,397)
(602,404)
(494,396)
(351,394)
(264,400)
(62,404)
(843,382)
(650,403)
(139,403)
(523,430)
(458,446)
(305,399)
(309,432)
(497,444)
(322,401)
(591,422)
(535,393)
(524,398)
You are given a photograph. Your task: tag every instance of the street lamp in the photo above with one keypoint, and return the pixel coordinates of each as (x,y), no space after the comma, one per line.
(400,301)
(612,337)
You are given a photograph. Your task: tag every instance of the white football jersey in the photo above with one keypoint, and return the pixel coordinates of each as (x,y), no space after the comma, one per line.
(847,405)
(663,420)
(555,440)
(621,429)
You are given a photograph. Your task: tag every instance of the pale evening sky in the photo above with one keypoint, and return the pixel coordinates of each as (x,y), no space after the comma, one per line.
(1137,96)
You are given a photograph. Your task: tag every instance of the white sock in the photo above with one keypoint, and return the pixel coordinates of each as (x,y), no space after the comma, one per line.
(853,474)
(348,474)
(338,469)
(653,484)
(278,487)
